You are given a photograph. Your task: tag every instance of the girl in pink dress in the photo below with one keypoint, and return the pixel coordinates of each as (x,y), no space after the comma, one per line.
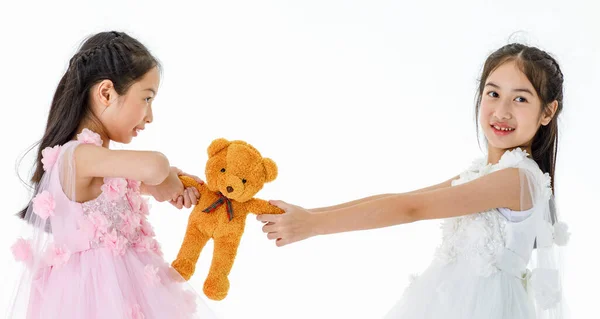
(87,250)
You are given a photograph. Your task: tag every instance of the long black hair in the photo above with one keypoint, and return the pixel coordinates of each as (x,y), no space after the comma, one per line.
(113,56)
(544,73)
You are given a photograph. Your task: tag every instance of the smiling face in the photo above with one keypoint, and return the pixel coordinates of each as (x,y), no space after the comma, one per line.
(510,112)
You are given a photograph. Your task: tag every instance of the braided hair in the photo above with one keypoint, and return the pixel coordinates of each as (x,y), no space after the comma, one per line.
(113,56)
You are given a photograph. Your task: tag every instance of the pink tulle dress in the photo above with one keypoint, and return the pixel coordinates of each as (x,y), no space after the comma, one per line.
(97,259)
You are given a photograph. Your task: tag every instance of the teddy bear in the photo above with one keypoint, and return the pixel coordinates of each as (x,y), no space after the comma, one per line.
(235,172)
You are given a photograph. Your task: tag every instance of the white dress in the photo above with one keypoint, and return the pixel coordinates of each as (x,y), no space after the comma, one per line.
(486,266)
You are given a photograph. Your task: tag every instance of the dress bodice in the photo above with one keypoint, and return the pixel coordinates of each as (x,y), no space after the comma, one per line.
(117,218)
(486,238)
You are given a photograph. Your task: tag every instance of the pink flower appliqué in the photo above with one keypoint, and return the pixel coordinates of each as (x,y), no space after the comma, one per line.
(129,223)
(140,244)
(43,205)
(134,185)
(100,221)
(151,275)
(116,243)
(95,224)
(21,250)
(147,228)
(135,200)
(49,156)
(155,247)
(57,256)
(148,244)
(114,188)
(134,312)
(145,207)
(88,137)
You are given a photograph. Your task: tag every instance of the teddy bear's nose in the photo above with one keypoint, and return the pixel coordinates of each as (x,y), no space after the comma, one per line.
(229,189)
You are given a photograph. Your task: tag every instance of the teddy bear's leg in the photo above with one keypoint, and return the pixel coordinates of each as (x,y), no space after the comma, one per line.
(192,245)
(216,285)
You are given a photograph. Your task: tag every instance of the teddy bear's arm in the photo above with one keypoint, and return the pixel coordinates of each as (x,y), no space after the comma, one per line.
(190,182)
(259,206)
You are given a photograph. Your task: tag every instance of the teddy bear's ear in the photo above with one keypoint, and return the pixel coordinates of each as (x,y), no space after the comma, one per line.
(270,169)
(217,145)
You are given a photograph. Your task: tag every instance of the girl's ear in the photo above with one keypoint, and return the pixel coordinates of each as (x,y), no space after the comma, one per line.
(104,93)
(549,112)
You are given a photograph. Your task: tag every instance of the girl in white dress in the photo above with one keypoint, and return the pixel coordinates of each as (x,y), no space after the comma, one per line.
(499,257)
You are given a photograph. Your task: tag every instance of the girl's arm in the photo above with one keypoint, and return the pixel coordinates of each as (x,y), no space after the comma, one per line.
(444,184)
(152,169)
(498,189)
(148,167)
(148,189)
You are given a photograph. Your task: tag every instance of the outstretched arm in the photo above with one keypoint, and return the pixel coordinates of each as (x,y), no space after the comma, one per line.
(444,184)
(498,189)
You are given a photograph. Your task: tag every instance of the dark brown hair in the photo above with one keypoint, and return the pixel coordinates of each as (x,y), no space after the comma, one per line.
(113,56)
(545,75)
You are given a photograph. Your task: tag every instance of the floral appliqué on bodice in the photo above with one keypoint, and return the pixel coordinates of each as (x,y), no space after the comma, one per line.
(478,237)
(117,218)
(112,226)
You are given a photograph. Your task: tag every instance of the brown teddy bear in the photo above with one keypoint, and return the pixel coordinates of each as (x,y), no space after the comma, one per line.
(235,172)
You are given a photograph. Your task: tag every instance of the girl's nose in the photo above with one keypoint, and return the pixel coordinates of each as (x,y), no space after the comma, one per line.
(503,111)
(149,115)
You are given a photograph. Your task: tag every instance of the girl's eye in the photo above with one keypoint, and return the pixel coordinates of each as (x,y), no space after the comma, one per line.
(521,99)
(492,94)
(148,99)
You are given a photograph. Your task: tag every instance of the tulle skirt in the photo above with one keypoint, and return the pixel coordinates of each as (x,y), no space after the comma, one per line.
(454,291)
(97,284)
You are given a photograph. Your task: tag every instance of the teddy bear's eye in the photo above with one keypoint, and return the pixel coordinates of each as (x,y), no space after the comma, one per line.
(222,170)
(244,181)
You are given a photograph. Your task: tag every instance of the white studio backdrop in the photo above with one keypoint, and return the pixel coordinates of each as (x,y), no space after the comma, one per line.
(350,98)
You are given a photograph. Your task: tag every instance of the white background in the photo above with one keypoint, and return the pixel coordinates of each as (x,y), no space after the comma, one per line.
(350,98)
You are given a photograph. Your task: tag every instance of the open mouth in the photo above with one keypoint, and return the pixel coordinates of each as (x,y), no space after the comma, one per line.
(137,131)
(502,130)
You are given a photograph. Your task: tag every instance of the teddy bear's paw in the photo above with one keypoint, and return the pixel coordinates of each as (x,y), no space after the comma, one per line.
(184,268)
(216,287)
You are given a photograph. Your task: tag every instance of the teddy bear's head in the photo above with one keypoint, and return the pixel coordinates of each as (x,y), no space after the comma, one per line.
(237,169)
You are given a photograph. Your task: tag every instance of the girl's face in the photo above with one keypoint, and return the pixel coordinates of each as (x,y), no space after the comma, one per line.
(510,111)
(124,116)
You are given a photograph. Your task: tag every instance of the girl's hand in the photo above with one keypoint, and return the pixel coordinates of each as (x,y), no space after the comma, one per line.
(294,225)
(189,198)
(170,189)
(190,195)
